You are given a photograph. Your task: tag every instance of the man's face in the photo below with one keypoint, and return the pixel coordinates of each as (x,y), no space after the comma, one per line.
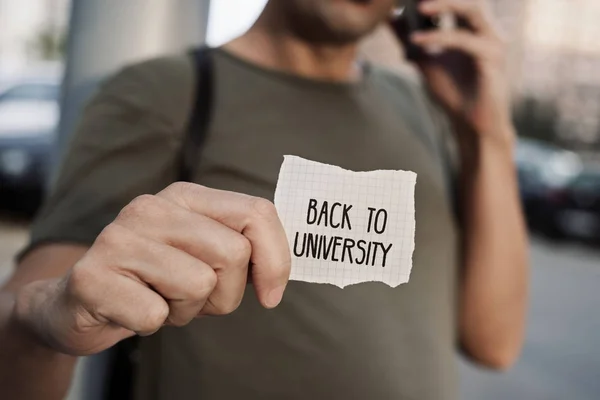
(333,21)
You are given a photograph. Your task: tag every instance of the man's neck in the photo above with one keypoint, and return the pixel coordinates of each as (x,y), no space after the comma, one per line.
(272,46)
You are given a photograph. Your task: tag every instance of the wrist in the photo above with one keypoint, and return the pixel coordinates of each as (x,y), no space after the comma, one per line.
(501,138)
(28,323)
(24,358)
(500,141)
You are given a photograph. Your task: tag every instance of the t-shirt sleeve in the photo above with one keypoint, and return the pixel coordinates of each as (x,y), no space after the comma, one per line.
(126,144)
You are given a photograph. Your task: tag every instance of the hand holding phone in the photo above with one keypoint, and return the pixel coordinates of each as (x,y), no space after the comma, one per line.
(464,62)
(409,19)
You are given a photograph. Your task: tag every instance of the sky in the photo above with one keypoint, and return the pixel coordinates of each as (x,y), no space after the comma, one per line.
(229,18)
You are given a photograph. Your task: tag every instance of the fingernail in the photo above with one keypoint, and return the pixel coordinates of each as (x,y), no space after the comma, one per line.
(275,296)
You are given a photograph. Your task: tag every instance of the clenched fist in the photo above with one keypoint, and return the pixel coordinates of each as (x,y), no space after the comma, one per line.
(165,260)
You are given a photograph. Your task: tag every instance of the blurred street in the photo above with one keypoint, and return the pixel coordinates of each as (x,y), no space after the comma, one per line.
(561,359)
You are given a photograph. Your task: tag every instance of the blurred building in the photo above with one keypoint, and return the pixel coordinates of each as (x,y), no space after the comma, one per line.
(27,28)
(511,18)
(555,56)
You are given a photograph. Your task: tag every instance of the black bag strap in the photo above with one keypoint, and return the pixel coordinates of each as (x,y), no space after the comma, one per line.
(123,363)
(197,129)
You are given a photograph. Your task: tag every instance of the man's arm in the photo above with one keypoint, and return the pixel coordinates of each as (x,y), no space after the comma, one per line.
(85,199)
(66,301)
(495,272)
(165,260)
(28,369)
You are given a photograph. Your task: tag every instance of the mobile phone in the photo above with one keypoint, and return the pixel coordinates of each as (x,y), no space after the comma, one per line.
(408,19)
(419,22)
(459,65)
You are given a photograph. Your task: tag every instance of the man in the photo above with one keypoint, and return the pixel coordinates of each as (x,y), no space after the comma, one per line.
(109,260)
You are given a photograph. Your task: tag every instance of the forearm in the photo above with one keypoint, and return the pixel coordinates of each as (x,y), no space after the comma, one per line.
(28,368)
(495,274)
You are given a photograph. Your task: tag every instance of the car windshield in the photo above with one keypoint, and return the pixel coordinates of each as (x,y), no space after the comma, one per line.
(31,92)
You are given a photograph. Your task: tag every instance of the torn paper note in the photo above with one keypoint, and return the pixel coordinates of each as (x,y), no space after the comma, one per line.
(347,227)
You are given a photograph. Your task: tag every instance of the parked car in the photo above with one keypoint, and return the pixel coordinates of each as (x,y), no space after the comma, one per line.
(543,170)
(29,114)
(574,211)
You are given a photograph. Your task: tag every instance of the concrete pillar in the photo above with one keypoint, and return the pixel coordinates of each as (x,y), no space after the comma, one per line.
(105,35)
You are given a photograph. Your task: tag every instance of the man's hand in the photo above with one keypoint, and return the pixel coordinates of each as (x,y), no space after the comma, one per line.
(481,101)
(165,260)
(469,79)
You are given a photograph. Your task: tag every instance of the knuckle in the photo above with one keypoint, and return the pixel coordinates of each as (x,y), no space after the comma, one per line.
(238,252)
(233,305)
(263,207)
(210,282)
(141,205)
(182,189)
(201,285)
(227,307)
(111,237)
(178,321)
(178,187)
(80,279)
(154,317)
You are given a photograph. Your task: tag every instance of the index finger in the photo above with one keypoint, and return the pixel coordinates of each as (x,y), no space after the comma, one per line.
(253,217)
(473,11)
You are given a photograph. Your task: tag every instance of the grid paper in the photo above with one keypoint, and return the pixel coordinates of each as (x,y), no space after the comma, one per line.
(301,180)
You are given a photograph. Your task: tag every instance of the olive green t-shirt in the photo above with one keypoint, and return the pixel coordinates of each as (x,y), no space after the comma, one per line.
(367,341)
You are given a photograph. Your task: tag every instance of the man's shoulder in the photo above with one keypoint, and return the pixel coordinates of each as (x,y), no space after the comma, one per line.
(407,90)
(407,87)
(162,85)
(404,79)
(158,69)
(172,66)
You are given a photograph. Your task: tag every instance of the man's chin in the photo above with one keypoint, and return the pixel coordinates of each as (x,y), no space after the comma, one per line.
(339,35)
(354,19)
(349,31)
(339,22)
